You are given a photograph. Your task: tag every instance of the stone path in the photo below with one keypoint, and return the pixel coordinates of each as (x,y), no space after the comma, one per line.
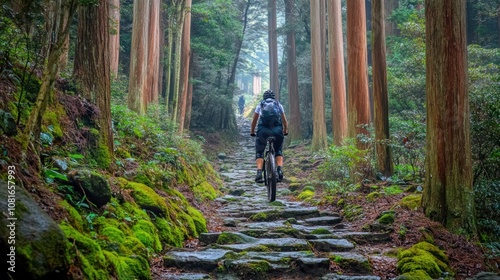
(279,240)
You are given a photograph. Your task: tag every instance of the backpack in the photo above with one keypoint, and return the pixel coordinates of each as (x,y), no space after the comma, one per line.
(271,113)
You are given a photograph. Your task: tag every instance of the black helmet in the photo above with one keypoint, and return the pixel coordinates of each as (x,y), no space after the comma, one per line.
(269,94)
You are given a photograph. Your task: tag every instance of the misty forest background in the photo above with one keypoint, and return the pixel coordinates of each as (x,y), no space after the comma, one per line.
(133,93)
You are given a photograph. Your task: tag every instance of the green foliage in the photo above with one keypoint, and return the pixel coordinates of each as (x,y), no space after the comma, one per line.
(346,163)
(484,96)
(487,200)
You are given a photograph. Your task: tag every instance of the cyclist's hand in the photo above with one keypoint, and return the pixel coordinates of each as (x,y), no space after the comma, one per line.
(252,134)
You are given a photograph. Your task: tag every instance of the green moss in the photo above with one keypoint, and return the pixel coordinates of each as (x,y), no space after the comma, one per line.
(113,234)
(87,253)
(373,196)
(228,238)
(169,233)
(294,186)
(148,199)
(305,195)
(102,155)
(411,202)
(199,221)
(122,153)
(320,231)
(204,191)
(309,188)
(51,120)
(387,218)
(352,211)
(74,217)
(423,258)
(288,231)
(415,275)
(146,232)
(135,245)
(134,267)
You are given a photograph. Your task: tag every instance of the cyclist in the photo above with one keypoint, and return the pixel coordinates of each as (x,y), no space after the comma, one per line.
(270,119)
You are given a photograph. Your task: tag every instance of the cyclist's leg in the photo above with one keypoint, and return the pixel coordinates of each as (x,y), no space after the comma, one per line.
(260,146)
(278,148)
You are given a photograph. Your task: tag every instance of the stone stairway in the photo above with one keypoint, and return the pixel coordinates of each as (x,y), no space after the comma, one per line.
(280,240)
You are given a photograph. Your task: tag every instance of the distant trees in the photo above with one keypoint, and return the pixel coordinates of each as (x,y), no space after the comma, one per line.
(273,47)
(295,131)
(114,34)
(448,195)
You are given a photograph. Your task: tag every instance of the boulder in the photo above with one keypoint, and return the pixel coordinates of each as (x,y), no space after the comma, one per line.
(91,184)
(36,247)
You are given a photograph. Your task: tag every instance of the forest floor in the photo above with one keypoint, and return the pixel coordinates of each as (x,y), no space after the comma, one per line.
(467,258)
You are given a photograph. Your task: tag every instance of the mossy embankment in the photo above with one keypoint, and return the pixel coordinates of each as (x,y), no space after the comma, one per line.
(155,185)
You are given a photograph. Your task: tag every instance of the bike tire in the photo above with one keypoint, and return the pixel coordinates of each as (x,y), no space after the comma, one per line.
(271,177)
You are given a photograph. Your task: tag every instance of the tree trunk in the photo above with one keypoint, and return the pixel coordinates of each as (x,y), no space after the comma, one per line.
(189,103)
(448,193)
(319,138)
(380,98)
(295,130)
(357,73)
(138,57)
(59,26)
(273,47)
(180,13)
(114,42)
(337,71)
(92,71)
(390,27)
(168,64)
(185,62)
(153,63)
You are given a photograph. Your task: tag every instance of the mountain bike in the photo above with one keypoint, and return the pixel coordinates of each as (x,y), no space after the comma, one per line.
(269,170)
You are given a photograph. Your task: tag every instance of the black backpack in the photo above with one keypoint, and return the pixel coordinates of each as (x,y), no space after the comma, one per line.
(271,113)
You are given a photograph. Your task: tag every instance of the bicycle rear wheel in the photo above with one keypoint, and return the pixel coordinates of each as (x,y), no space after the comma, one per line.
(271,178)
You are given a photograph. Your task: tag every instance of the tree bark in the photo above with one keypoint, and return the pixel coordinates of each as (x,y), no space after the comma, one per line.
(185,62)
(176,70)
(319,138)
(138,57)
(153,64)
(448,193)
(390,27)
(337,71)
(380,98)
(357,73)
(92,70)
(295,130)
(273,48)
(114,41)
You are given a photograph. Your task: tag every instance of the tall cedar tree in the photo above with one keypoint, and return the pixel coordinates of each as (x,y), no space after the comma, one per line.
(295,131)
(57,27)
(337,74)
(138,57)
(448,194)
(151,93)
(380,98)
(273,47)
(319,138)
(114,37)
(184,74)
(92,66)
(357,72)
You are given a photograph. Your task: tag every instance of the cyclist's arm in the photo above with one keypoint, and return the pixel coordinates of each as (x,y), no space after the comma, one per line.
(254,123)
(285,123)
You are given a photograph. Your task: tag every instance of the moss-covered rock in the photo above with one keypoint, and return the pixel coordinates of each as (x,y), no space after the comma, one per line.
(91,184)
(146,232)
(148,199)
(31,240)
(133,267)
(411,202)
(306,194)
(423,259)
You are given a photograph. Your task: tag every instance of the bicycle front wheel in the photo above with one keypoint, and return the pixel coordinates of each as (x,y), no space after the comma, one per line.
(271,177)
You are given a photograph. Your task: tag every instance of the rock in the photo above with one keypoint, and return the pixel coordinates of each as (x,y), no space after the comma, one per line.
(7,123)
(40,245)
(221,156)
(91,184)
